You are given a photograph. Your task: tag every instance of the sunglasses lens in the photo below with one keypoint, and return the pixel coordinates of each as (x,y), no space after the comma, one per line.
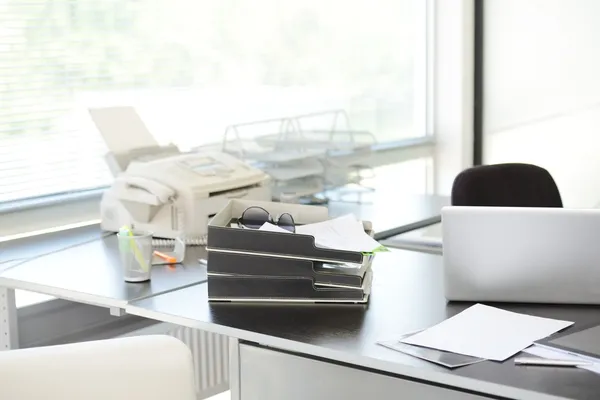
(254,217)
(286,222)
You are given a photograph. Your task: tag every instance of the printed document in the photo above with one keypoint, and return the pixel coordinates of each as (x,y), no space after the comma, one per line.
(343,233)
(269,227)
(487,332)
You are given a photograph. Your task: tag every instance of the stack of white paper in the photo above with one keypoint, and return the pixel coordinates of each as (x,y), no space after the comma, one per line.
(343,233)
(269,227)
(487,332)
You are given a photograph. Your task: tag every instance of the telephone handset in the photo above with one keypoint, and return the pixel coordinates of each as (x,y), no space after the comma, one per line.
(143,190)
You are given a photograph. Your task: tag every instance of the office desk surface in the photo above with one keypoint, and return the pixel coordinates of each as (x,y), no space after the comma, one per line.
(90,272)
(33,246)
(393,215)
(84,266)
(407,295)
(427,239)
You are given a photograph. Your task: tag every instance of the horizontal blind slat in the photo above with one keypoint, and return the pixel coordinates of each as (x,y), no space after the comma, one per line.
(54,53)
(51,52)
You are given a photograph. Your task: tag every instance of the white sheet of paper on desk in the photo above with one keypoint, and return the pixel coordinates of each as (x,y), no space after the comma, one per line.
(544,352)
(342,233)
(487,332)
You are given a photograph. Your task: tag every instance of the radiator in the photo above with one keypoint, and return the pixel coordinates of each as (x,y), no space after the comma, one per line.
(211,359)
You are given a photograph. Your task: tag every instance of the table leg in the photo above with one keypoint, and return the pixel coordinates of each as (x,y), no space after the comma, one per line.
(234,369)
(9,334)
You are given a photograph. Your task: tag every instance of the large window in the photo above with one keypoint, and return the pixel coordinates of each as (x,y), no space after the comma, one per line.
(542,92)
(191,68)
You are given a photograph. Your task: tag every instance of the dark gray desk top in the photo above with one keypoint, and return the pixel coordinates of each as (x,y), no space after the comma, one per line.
(37,245)
(393,215)
(90,272)
(61,274)
(407,295)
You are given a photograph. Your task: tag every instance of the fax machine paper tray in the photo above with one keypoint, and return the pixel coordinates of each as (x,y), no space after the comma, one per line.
(337,275)
(224,238)
(260,289)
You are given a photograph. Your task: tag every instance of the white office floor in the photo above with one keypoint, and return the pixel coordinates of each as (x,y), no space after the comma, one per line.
(222,396)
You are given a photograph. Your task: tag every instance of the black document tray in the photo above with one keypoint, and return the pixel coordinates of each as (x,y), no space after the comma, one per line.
(261,289)
(224,238)
(271,267)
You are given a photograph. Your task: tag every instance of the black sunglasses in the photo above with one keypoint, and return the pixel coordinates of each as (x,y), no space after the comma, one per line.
(254,217)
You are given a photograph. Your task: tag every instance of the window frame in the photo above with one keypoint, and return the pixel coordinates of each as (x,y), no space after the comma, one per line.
(478,90)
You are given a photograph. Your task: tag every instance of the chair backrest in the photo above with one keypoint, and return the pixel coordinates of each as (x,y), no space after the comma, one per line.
(152,367)
(506,185)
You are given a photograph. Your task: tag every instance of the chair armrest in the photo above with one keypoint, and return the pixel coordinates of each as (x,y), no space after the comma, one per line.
(141,367)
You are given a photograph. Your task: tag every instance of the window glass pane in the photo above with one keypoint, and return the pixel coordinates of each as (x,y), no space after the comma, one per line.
(542,92)
(192,68)
(409,177)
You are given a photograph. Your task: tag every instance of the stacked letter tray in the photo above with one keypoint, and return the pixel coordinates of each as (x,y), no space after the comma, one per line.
(263,266)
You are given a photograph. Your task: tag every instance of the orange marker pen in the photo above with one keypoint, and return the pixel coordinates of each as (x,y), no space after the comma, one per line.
(165,257)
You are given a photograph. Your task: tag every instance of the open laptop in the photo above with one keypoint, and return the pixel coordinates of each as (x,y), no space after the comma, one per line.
(514,254)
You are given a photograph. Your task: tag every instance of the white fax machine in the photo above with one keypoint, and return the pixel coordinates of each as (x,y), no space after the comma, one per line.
(176,196)
(159,189)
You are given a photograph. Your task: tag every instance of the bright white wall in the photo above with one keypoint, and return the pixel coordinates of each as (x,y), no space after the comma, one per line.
(542,90)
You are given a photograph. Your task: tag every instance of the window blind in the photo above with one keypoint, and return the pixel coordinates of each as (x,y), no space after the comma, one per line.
(57,57)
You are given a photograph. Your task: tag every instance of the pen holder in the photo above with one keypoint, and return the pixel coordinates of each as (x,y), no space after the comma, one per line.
(135,249)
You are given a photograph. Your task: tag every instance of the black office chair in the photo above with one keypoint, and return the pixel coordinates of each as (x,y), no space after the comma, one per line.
(506,185)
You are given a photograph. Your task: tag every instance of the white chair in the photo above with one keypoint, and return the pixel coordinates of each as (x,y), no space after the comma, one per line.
(142,367)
